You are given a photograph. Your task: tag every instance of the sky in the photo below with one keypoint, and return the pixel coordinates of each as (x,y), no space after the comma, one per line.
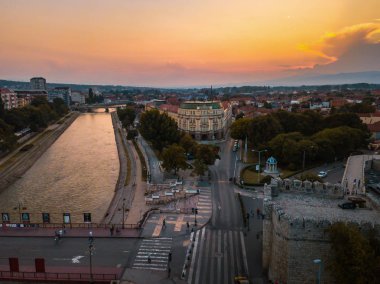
(182,43)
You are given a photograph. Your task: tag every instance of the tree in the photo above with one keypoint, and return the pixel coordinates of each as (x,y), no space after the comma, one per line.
(131,134)
(206,154)
(174,158)
(188,143)
(2,108)
(160,129)
(199,167)
(7,139)
(352,259)
(239,129)
(59,106)
(127,116)
(239,116)
(263,129)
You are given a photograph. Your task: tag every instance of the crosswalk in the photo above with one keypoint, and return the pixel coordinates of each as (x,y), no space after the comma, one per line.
(219,255)
(157,249)
(204,203)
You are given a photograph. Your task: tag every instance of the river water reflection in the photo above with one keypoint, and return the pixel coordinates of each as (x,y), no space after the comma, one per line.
(76,175)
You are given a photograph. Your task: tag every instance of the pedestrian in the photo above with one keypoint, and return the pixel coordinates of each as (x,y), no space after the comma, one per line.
(112,229)
(359,183)
(164,223)
(187,225)
(149,259)
(258,213)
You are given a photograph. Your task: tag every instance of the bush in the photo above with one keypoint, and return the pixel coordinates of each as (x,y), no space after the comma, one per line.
(267,179)
(310,177)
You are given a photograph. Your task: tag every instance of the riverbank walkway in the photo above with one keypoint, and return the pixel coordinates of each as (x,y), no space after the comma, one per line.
(69,232)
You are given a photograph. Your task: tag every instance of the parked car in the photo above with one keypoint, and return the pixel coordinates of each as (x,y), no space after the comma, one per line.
(347,205)
(322,174)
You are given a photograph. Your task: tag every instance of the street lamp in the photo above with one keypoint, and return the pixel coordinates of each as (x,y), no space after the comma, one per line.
(123,211)
(90,251)
(259,167)
(319,263)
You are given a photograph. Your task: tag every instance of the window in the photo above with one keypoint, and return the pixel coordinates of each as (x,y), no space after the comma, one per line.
(45,218)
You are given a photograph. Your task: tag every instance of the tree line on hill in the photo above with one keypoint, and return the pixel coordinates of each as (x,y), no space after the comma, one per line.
(35,116)
(288,136)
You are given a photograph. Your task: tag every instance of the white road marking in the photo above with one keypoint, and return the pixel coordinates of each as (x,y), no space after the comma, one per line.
(191,270)
(76,259)
(244,253)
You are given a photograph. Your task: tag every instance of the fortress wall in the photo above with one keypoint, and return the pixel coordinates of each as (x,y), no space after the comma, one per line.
(290,246)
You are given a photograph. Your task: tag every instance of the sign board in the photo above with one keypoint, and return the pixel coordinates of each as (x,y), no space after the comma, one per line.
(257,168)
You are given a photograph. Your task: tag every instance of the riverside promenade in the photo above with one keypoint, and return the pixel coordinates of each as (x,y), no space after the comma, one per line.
(68,232)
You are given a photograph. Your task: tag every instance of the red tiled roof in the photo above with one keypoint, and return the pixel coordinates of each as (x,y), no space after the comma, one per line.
(5,91)
(375,127)
(169,108)
(375,114)
(225,104)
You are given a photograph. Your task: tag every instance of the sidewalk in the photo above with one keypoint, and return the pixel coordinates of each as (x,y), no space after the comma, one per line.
(70,233)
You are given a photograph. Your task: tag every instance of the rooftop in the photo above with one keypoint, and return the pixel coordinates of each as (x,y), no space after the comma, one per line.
(302,206)
(201,105)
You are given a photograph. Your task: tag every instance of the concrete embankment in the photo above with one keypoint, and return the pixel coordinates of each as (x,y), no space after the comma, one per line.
(120,184)
(18,164)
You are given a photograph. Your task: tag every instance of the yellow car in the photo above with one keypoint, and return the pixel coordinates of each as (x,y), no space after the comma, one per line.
(241,280)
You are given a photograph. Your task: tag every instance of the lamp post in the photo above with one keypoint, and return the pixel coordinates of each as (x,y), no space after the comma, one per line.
(259,167)
(123,211)
(319,262)
(90,251)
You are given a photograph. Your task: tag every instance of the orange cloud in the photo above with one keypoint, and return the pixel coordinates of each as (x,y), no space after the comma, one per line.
(331,46)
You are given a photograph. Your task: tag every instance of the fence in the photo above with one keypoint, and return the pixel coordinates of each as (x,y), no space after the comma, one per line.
(69,225)
(59,276)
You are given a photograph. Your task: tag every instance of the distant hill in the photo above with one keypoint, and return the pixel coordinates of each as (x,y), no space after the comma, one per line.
(371,77)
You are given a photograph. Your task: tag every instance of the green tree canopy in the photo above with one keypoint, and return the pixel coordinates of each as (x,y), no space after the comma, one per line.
(160,129)
(199,167)
(126,115)
(352,258)
(174,158)
(7,138)
(188,143)
(263,129)
(239,129)
(206,153)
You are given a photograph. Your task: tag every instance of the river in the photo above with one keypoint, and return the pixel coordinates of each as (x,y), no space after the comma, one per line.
(76,175)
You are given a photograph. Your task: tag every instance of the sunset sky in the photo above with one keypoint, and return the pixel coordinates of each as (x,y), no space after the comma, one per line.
(186,42)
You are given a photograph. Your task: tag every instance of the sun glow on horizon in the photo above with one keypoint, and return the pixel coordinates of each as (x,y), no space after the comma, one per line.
(179,43)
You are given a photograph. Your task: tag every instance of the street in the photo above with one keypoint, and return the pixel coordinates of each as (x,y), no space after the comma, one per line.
(69,253)
(220,253)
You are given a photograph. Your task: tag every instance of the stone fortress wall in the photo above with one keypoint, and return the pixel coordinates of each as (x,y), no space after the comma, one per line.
(291,244)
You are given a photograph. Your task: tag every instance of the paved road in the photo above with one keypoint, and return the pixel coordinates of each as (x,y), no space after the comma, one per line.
(70,252)
(156,175)
(220,252)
